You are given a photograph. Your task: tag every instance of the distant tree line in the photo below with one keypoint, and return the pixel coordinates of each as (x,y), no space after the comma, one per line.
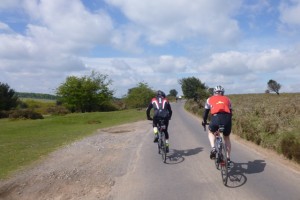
(36,95)
(91,94)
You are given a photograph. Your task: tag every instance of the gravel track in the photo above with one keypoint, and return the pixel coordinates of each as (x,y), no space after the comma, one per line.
(85,169)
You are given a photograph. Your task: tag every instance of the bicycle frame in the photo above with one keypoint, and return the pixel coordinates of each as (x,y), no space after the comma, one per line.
(221,155)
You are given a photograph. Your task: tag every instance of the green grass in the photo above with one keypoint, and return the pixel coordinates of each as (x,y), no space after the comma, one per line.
(25,141)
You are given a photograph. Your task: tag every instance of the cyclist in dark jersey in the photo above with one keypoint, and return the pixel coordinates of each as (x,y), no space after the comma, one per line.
(220,109)
(162,110)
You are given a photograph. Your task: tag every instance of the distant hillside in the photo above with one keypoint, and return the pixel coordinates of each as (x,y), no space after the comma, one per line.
(36,95)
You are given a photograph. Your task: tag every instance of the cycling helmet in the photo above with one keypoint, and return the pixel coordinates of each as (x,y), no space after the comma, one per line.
(219,90)
(160,94)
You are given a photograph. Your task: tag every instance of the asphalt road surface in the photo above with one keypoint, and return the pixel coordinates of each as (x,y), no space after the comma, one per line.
(189,173)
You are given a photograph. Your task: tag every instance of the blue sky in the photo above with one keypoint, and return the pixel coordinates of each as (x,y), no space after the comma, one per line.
(239,44)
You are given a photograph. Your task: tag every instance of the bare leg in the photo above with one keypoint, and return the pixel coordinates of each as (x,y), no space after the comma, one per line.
(228,145)
(211,138)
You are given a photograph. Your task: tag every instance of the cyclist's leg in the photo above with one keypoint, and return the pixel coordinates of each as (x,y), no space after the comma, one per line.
(155,131)
(166,121)
(167,125)
(228,145)
(227,131)
(213,127)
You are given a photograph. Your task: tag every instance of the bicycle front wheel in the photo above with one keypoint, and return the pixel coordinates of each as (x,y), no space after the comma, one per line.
(224,164)
(163,146)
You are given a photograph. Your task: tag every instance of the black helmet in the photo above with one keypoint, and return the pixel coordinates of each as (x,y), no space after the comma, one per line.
(160,94)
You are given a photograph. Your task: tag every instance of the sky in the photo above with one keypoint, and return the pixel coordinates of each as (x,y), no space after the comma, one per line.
(239,44)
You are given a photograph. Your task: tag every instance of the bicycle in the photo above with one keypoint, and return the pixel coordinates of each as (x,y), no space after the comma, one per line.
(161,144)
(221,162)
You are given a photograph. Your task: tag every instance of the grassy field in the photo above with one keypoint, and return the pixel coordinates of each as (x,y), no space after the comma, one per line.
(269,120)
(25,141)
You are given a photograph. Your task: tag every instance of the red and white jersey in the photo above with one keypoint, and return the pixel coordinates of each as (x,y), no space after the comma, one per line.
(159,103)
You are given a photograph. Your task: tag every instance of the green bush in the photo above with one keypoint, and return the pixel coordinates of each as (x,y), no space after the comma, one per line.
(25,114)
(39,105)
(57,110)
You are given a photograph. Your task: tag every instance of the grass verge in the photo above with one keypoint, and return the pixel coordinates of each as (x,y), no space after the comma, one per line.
(25,141)
(268,120)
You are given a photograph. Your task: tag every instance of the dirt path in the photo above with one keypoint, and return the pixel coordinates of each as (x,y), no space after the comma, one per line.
(83,170)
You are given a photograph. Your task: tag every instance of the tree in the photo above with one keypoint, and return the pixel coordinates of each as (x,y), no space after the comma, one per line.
(140,96)
(193,88)
(274,86)
(8,98)
(86,94)
(210,91)
(173,93)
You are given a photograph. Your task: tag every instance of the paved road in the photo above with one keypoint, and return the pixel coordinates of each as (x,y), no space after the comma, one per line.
(189,173)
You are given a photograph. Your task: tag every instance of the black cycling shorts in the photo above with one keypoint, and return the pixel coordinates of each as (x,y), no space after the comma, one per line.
(221,119)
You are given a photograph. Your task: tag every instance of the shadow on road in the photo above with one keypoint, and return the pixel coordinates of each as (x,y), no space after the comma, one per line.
(236,175)
(178,156)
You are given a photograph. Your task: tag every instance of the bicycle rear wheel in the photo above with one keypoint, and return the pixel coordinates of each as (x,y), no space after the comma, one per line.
(159,144)
(217,163)
(224,164)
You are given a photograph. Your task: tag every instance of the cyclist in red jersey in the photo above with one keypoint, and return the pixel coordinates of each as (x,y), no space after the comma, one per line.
(162,110)
(220,109)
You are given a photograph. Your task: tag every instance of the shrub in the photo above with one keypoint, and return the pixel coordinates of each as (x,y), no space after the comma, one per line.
(25,114)
(3,114)
(57,110)
(289,146)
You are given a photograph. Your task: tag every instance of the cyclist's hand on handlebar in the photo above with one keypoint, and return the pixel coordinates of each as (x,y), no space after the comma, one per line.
(204,123)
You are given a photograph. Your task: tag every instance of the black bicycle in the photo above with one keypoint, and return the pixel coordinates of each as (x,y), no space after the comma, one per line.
(162,146)
(221,155)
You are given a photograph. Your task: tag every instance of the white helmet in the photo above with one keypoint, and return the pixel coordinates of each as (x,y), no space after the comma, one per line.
(219,90)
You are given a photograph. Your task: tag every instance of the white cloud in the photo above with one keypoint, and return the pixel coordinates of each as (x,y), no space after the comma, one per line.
(228,63)
(290,12)
(126,39)
(4,28)
(164,21)
(58,38)
(71,21)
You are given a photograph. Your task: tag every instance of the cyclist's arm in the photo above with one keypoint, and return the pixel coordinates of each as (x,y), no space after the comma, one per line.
(207,107)
(170,110)
(150,106)
(205,115)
